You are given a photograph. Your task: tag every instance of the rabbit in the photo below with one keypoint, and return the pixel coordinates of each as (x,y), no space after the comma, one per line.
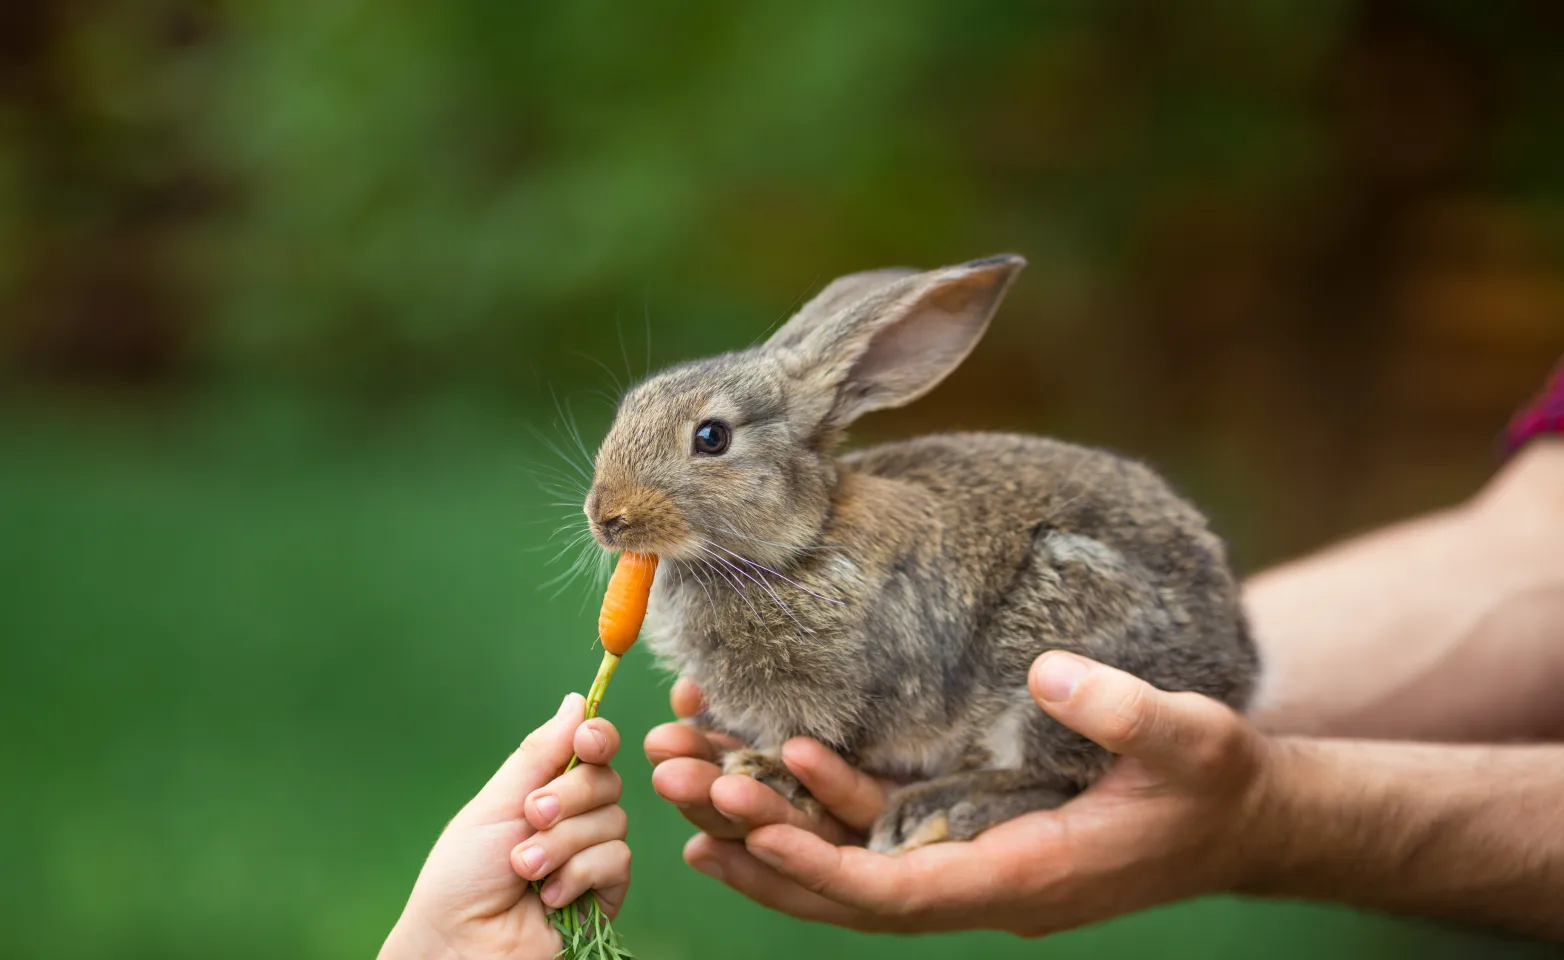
(889,602)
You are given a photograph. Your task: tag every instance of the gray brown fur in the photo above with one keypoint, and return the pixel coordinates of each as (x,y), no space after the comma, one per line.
(890,602)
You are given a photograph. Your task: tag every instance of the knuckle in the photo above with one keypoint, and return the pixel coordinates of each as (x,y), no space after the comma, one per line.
(1223,747)
(608,785)
(1133,716)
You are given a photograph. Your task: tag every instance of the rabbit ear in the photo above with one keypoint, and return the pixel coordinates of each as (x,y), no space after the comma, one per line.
(889,336)
(837,296)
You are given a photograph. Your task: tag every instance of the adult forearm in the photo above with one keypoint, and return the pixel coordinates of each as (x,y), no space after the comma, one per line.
(1473,834)
(1447,627)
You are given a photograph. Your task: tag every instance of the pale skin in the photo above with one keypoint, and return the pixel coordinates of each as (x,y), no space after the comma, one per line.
(1448,627)
(474,899)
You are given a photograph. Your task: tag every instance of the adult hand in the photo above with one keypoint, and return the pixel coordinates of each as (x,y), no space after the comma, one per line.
(1172,819)
(473,897)
(687,773)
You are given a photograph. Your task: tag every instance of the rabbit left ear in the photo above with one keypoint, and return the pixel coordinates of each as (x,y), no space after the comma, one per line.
(896,341)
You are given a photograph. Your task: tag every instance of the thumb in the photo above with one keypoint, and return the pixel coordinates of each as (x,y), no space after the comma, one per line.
(540,758)
(1181,734)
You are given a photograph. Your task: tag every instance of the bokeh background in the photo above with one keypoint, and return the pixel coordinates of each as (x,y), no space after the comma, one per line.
(296,299)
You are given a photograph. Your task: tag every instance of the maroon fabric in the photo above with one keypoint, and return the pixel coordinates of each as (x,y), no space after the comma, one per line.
(1544,415)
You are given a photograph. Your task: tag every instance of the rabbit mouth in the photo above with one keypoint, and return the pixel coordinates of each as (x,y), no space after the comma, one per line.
(642,520)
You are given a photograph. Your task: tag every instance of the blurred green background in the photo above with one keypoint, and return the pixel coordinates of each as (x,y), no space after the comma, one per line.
(285,290)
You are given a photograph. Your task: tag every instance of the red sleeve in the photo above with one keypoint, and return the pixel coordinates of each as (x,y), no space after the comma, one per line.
(1544,415)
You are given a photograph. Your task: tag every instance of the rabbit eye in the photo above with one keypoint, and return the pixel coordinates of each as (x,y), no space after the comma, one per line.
(712,437)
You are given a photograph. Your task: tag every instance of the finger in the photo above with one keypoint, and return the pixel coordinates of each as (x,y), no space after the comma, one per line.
(540,758)
(582,789)
(596,741)
(671,740)
(686,698)
(1183,734)
(686,783)
(606,865)
(850,876)
(751,804)
(852,796)
(545,850)
(728,862)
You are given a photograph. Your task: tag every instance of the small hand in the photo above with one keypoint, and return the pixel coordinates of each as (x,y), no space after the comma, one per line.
(1171,820)
(473,897)
(687,772)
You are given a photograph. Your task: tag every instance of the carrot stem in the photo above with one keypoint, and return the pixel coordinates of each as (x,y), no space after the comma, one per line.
(605,673)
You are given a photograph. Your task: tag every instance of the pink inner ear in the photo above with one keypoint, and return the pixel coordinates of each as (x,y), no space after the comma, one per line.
(913,353)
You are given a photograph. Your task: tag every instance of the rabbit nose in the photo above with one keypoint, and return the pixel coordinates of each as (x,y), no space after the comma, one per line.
(612,525)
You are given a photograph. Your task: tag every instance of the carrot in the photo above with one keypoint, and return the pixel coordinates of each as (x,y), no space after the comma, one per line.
(624,603)
(619,622)
(582,925)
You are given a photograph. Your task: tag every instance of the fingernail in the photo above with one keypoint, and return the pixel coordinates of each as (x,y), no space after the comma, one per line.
(655,758)
(597,736)
(730,817)
(533,857)
(710,868)
(547,807)
(765,856)
(551,890)
(1058,675)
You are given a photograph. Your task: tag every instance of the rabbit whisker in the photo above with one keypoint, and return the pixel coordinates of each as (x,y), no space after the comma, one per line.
(614,377)
(692,572)
(785,546)
(770,591)
(542,438)
(761,566)
(737,588)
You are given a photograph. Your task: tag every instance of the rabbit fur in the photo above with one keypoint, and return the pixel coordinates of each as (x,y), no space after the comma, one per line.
(889,602)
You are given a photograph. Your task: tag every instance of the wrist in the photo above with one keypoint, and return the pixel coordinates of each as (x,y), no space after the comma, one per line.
(1280,832)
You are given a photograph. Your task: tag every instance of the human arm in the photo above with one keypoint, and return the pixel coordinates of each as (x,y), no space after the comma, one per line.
(1199,803)
(473,898)
(1448,626)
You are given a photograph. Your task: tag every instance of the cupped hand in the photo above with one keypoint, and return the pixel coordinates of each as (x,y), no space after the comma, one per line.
(474,898)
(687,773)
(1172,819)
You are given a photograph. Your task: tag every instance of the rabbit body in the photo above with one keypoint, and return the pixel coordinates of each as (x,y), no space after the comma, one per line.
(890,602)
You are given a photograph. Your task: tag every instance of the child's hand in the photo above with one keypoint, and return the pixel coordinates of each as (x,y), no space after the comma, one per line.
(474,897)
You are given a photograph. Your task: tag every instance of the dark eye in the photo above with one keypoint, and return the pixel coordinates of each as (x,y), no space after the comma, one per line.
(712,437)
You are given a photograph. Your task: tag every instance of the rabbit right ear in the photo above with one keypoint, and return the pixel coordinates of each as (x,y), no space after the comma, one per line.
(884,338)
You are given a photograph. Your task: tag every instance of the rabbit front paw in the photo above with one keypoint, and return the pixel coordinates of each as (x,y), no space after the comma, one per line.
(768,769)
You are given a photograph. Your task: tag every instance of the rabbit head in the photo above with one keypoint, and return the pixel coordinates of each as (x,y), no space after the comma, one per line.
(737,449)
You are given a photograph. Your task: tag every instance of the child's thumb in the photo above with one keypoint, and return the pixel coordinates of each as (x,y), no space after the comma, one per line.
(540,758)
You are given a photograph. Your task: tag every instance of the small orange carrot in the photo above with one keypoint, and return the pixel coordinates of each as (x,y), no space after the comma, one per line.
(582,924)
(619,623)
(624,602)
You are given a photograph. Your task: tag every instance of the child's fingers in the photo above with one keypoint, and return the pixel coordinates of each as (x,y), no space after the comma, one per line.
(596,741)
(612,897)
(587,787)
(604,866)
(546,850)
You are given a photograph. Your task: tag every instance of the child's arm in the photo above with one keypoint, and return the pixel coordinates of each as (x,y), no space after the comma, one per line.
(474,896)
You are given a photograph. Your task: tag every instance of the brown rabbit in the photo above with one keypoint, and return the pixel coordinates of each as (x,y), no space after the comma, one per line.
(889,602)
